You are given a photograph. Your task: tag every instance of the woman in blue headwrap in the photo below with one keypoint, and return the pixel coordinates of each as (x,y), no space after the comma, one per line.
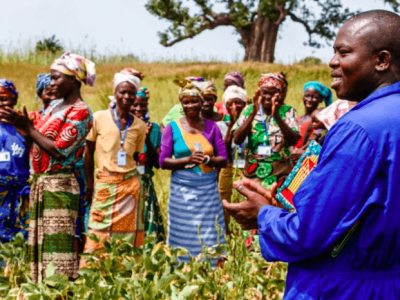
(148,159)
(14,172)
(314,94)
(43,92)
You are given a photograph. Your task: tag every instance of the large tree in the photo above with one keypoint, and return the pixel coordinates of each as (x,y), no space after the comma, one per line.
(257,22)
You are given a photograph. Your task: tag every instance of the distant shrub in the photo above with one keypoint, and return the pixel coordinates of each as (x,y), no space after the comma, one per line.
(51,44)
(310,61)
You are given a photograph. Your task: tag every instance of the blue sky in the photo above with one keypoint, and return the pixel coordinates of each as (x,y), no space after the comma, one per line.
(125,26)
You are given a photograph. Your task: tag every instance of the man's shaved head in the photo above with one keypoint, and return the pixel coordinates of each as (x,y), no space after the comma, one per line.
(367,54)
(380,28)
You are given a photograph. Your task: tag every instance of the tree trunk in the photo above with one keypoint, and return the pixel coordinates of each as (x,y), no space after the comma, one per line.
(259,40)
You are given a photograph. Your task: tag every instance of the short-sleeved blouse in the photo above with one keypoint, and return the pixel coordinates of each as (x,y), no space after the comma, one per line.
(68,129)
(180,143)
(274,136)
(105,134)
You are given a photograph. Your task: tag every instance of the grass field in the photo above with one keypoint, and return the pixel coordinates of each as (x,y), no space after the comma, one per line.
(245,274)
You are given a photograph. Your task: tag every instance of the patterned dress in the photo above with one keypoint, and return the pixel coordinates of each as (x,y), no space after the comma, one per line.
(153,222)
(14,188)
(194,206)
(304,123)
(117,209)
(55,191)
(268,169)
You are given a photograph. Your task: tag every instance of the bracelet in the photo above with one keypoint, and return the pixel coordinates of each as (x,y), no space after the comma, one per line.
(208,158)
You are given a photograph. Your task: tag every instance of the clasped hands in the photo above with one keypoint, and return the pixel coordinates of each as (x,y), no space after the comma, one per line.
(246,213)
(195,159)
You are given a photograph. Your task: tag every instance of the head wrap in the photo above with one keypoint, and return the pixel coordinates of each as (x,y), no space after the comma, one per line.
(133,72)
(236,77)
(275,80)
(329,115)
(188,88)
(75,65)
(125,77)
(142,93)
(43,80)
(325,92)
(285,86)
(234,92)
(195,78)
(209,88)
(8,89)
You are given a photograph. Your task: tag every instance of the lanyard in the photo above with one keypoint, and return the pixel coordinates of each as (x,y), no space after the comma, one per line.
(240,149)
(119,127)
(266,127)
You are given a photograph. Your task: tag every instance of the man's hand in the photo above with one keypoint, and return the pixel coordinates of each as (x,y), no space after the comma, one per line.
(246,213)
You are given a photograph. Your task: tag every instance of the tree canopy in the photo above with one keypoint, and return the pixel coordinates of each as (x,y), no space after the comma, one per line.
(257,22)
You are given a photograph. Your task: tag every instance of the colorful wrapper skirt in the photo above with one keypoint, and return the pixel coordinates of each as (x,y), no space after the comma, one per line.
(117,210)
(153,223)
(194,211)
(14,208)
(53,210)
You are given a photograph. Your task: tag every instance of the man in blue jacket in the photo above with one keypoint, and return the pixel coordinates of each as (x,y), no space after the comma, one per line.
(357,180)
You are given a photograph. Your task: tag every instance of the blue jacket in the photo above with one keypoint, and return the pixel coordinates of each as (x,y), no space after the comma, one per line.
(357,178)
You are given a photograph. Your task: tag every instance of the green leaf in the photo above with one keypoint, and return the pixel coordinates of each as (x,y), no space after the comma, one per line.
(50,269)
(165,281)
(188,291)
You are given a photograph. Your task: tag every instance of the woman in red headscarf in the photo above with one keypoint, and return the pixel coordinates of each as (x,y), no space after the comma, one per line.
(272,127)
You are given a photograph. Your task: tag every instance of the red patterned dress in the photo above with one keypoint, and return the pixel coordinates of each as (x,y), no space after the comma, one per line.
(55,190)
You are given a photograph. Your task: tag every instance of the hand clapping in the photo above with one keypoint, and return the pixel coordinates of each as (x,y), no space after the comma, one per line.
(246,213)
(12,117)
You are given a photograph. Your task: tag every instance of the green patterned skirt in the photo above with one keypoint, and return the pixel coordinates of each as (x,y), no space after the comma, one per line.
(153,223)
(53,209)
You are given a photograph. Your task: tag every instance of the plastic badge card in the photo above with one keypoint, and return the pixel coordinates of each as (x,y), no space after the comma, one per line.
(304,166)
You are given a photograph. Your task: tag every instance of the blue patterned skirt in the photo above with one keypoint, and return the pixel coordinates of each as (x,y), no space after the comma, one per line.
(194,212)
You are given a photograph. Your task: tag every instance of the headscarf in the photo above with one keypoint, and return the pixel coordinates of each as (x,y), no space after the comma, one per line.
(7,88)
(236,77)
(133,72)
(209,88)
(43,80)
(195,78)
(75,65)
(325,92)
(142,93)
(188,88)
(234,92)
(275,80)
(125,77)
(329,115)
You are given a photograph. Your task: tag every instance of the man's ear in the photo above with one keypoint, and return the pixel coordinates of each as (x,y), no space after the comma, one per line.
(384,61)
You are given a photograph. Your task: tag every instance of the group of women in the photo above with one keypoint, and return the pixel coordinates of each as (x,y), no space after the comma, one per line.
(201,141)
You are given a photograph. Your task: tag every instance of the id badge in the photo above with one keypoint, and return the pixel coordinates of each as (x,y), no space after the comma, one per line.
(140,169)
(264,150)
(239,163)
(197,147)
(121,158)
(5,156)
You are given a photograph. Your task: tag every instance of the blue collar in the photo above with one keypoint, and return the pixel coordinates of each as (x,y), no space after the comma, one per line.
(380,93)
